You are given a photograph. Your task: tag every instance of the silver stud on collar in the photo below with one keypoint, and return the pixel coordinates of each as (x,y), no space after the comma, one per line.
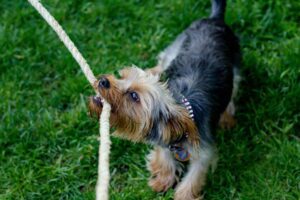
(188,106)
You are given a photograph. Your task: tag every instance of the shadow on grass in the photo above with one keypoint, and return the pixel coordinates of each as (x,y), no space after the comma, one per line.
(238,148)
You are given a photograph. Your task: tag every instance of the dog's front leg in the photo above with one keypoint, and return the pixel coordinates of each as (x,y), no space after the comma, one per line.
(162,166)
(191,185)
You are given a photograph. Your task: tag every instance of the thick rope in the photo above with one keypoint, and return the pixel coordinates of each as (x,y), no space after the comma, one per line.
(104,149)
(65,39)
(103,160)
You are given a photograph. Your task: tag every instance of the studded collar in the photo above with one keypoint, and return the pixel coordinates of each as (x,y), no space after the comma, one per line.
(188,106)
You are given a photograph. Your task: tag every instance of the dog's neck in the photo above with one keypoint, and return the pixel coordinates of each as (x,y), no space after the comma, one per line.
(178,148)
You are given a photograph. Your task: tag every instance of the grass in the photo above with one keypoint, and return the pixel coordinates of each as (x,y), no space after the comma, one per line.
(48,146)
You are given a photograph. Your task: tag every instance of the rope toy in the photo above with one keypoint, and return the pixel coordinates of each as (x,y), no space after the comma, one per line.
(104,148)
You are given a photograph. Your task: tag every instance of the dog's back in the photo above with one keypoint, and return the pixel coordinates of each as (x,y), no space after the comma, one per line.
(204,58)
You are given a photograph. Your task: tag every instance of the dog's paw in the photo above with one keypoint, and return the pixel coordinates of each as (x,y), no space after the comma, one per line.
(186,195)
(161,183)
(187,191)
(227,121)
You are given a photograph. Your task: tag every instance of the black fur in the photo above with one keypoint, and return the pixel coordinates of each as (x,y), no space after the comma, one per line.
(203,69)
(218,9)
(200,66)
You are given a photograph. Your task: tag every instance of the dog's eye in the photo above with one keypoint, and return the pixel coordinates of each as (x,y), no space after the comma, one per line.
(134,96)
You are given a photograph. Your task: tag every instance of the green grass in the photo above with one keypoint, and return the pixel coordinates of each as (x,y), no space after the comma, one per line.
(48,144)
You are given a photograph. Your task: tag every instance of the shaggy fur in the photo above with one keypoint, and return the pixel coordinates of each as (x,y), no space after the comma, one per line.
(201,66)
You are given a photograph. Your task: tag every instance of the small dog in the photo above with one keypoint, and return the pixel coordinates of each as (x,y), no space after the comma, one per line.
(179,116)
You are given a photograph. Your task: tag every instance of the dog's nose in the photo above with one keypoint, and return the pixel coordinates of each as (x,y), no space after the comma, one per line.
(104,83)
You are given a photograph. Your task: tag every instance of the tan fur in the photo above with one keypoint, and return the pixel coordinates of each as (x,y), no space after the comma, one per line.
(94,110)
(181,124)
(191,190)
(227,120)
(190,187)
(162,168)
(132,120)
(157,70)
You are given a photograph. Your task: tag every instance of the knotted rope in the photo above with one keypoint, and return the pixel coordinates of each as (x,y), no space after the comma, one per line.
(104,149)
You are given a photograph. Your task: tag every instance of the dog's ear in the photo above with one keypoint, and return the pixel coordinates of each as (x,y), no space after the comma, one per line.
(180,124)
(155,71)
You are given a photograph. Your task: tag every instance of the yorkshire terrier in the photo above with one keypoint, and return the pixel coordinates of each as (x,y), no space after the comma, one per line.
(179,116)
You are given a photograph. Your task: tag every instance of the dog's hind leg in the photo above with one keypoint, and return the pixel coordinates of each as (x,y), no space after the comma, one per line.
(227,119)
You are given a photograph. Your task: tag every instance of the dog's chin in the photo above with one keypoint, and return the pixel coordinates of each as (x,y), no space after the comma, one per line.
(95,106)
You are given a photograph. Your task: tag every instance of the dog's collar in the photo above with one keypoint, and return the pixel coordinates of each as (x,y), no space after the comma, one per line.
(177,148)
(188,106)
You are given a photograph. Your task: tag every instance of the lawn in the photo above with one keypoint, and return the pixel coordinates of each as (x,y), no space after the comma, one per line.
(48,143)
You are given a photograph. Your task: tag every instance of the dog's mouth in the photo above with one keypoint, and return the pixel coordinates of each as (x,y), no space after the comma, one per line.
(98,101)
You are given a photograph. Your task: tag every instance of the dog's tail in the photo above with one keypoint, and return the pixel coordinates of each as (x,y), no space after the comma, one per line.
(218,9)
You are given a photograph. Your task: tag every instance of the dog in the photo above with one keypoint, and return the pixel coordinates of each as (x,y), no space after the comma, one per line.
(178,116)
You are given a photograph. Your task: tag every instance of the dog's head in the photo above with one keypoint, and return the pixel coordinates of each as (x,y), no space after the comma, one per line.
(142,107)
